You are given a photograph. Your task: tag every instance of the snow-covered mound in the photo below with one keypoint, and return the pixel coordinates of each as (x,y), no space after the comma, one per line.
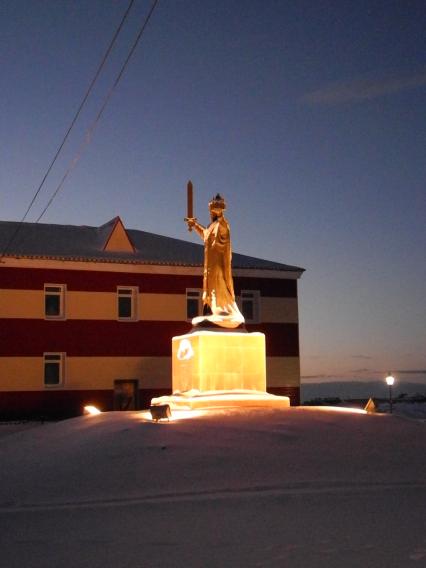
(293,487)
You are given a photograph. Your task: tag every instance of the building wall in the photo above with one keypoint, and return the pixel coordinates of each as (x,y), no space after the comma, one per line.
(92,305)
(99,348)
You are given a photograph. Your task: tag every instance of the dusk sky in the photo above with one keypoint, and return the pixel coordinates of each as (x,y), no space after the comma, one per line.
(308,116)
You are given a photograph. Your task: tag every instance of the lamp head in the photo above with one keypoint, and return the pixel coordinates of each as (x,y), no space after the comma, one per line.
(390,379)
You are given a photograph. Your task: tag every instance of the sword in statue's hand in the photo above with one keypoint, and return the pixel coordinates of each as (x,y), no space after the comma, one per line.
(190,219)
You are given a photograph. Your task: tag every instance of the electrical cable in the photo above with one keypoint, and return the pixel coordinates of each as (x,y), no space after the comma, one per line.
(74,120)
(91,129)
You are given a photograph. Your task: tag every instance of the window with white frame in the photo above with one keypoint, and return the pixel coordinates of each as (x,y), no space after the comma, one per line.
(54,364)
(127,302)
(194,303)
(54,301)
(249,305)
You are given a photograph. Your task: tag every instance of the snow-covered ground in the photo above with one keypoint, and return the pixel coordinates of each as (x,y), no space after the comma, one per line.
(298,487)
(415,410)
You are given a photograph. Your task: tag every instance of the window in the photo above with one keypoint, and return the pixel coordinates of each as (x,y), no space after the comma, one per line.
(194,306)
(249,302)
(53,369)
(127,303)
(54,301)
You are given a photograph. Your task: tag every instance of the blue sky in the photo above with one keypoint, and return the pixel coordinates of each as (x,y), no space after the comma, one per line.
(308,116)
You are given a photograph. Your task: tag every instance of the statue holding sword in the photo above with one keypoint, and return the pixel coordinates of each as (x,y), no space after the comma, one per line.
(219,306)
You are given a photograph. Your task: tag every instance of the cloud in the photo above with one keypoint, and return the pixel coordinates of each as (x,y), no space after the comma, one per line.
(314,377)
(361,357)
(358,90)
(361,371)
(412,372)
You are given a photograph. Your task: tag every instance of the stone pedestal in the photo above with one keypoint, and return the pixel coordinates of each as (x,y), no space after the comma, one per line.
(219,361)
(218,369)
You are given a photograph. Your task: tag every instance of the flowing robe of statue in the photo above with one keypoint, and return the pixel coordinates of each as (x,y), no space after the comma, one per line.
(218,287)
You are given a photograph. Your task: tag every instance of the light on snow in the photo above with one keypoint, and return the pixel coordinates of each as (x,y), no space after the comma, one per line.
(92,410)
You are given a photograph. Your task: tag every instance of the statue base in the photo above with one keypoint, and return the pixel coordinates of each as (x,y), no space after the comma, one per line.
(210,400)
(218,360)
(219,369)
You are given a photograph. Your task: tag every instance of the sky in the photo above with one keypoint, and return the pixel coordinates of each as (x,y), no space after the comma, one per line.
(309,117)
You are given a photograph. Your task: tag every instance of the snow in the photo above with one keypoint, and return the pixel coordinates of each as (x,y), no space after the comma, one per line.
(415,410)
(296,487)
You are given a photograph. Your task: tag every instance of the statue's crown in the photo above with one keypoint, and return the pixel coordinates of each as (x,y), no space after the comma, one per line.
(217,202)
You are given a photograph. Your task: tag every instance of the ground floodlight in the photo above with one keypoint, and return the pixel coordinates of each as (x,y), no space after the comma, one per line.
(160,412)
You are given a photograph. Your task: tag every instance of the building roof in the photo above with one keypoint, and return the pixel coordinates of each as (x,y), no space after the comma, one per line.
(82,243)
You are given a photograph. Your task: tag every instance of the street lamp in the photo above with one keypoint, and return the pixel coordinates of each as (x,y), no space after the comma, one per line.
(389,381)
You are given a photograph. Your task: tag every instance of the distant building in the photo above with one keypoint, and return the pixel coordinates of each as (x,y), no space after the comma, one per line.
(87,315)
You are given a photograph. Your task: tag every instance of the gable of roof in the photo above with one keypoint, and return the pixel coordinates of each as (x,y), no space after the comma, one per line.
(117,239)
(83,243)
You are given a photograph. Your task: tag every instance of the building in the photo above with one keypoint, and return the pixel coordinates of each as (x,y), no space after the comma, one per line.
(87,315)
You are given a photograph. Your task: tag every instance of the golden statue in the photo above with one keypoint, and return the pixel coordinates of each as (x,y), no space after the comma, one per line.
(219,306)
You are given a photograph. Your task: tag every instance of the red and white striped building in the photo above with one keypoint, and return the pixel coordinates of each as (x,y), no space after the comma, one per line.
(87,315)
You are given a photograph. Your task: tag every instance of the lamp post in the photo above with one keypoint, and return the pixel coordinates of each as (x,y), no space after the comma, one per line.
(389,381)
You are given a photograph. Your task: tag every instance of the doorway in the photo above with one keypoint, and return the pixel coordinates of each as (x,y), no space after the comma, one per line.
(126,394)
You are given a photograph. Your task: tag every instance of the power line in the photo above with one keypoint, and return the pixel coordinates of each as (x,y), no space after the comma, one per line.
(74,120)
(91,129)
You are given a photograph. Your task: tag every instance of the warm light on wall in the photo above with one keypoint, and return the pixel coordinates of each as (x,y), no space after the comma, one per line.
(91,410)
